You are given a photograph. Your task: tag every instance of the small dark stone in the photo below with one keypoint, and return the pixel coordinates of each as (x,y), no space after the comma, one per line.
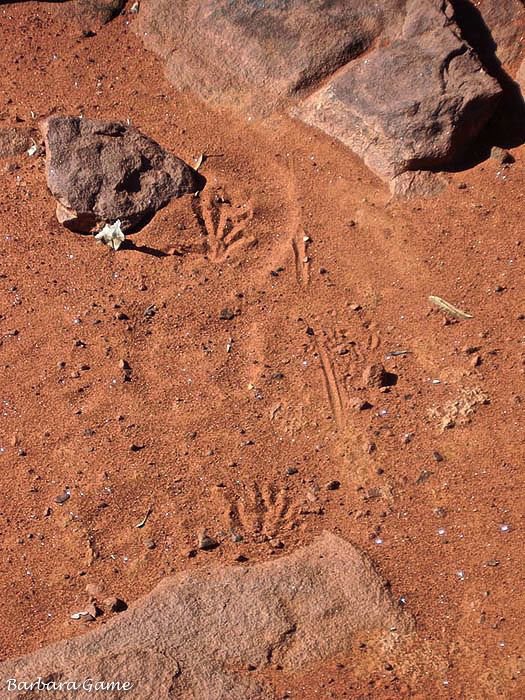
(226,315)
(424,476)
(136,448)
(438,457)
(333,485)
(207,543)
(63,497)
(310,331)
(290,471)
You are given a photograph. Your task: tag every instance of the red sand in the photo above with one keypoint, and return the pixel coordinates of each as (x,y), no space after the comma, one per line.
(221,405)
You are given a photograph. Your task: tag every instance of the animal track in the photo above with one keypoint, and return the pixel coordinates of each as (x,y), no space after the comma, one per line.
(260,511)
(223,222)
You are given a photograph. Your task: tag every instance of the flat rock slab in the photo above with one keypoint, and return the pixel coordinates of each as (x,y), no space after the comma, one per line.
(212,634)
(257,53)
(413,105)
(103,171)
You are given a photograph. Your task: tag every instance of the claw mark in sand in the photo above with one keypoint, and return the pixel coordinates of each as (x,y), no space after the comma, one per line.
(223,223)
(302,263)
(333,389)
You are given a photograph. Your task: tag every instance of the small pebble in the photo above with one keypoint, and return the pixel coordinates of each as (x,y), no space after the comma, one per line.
(333,485)
(226,315)
(207,543)
(63,497)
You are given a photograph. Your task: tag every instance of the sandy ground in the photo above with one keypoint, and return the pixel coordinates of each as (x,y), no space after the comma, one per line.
(237,426)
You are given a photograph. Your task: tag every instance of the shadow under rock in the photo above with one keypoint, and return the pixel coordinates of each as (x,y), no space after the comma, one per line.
(146,249)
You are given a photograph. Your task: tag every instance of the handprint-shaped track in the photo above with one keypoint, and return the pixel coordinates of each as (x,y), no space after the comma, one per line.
(260,511)
(224,223)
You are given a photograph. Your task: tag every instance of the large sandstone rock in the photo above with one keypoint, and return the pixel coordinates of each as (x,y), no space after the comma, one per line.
(257,53)
(211,635)
(413,105)
(103,171)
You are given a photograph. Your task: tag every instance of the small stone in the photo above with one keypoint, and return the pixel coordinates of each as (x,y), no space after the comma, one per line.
(47,512)
(206,542)
(424,476)
(290,471)
(134,447)
(114,604)
(475,360)
(333,485)
(63,497)
(503,156)
(124,364)
(237,538)
(438,457)
(241,558)
(375,376)
(121,316)
(470,349)
(150,544)
(492,562)
(226,315)
(462,186)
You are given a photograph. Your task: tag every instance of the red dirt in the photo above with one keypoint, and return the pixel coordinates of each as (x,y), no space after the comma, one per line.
(213,421)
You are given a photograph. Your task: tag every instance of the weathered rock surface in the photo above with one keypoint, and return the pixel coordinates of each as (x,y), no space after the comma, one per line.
(257,53)
(103,171)
(92,14)
(197,635)
(413,105)
(15,141)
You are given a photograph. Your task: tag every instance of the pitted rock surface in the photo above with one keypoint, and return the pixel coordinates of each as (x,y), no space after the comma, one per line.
(103,171)
(212,634)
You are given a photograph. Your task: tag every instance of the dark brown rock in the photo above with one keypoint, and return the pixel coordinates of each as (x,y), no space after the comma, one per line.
(414,105)
(103,171)
(260,52)
(197,632)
